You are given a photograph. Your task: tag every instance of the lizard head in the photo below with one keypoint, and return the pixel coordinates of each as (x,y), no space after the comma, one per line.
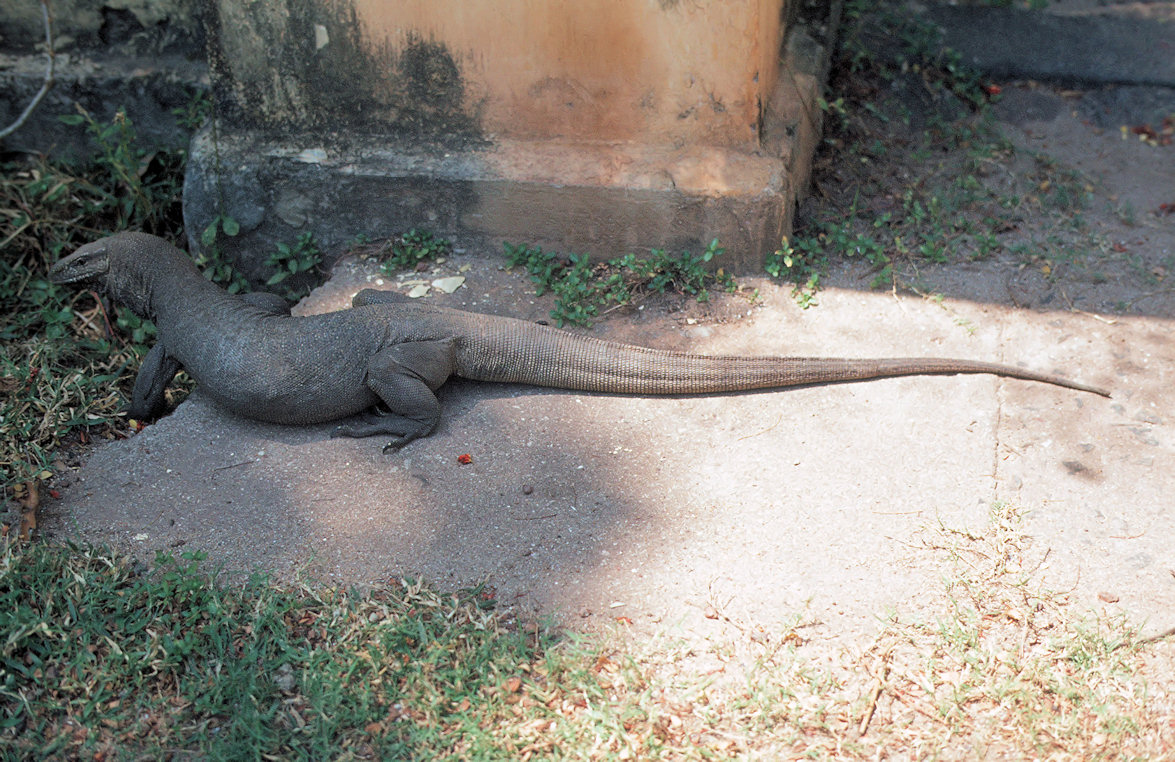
(88,265)
(120,267)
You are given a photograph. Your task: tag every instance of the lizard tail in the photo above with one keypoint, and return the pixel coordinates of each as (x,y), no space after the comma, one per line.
(542,356)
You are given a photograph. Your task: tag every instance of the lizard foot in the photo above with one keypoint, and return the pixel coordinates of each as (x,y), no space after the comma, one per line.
(402,428)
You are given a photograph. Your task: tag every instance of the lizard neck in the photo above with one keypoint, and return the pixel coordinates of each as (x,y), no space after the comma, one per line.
(161,283)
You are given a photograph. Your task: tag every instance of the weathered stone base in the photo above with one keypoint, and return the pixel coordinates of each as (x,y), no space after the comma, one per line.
(601,199)
(148,90)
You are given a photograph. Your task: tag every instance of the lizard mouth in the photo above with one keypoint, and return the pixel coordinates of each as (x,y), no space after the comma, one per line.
(86,264)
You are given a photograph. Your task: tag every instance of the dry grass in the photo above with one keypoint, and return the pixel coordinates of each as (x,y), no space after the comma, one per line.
(995,668)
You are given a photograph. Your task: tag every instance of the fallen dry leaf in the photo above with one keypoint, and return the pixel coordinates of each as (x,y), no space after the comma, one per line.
(448,285)
(28,511)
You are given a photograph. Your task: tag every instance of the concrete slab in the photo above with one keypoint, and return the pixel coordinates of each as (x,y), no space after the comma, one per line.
(609,199)
(773,504)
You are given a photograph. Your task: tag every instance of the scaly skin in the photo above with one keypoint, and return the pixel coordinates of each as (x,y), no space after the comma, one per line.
(255,359)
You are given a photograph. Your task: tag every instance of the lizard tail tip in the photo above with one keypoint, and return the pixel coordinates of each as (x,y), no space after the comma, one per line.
(1098,390)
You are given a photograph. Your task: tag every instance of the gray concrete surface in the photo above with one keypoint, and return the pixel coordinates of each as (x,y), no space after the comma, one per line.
(772,505)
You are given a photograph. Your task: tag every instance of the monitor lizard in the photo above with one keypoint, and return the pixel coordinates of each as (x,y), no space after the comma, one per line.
(380,362)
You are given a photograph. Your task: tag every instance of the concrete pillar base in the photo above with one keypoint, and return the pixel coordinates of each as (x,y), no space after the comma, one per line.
(601,199)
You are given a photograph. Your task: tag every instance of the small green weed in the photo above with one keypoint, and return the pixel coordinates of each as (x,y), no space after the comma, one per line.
(193,114)
(835,108)
(144,185)
(582,290)
(408,250)
(211,260)
(1126,213)
(801,263)
(289,262)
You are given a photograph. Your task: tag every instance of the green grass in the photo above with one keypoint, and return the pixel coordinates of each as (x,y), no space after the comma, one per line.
(102,656)
(1060,681)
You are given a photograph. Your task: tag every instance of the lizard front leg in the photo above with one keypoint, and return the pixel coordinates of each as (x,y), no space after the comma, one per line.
(405,377)
(149,396)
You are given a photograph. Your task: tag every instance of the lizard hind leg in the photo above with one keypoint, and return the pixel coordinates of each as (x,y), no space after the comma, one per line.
(405,377)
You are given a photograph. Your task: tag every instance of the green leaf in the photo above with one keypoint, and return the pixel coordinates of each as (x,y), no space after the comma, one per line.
(230,226)
(208,237)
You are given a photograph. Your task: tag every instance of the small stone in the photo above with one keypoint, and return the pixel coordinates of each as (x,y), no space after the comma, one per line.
(284,678)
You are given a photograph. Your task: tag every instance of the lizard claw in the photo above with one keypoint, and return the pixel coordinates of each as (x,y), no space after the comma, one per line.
(401,441)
